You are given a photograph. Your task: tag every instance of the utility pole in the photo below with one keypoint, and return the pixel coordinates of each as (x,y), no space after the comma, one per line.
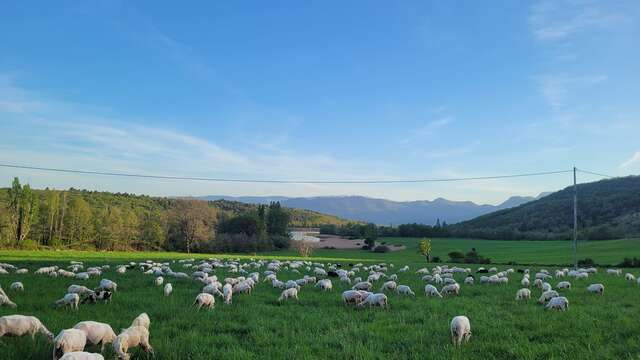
(575,220)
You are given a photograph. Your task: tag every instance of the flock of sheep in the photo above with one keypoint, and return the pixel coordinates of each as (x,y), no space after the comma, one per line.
(70,344)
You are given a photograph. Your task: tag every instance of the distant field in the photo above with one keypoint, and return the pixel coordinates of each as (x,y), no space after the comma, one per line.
(609,252)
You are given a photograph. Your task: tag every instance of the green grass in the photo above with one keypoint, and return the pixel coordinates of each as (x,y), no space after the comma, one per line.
(320,327)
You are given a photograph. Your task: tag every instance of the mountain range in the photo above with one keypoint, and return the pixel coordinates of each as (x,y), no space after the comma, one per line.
(385,212)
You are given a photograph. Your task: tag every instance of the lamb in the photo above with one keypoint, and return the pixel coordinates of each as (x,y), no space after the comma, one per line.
(227,293)
(142,320)
(564,285)
(547,295)
(168,289)
(204,300)
(72,300)
(451,289)
(325,284)
(68,340)
(289,293)
(596,289)
(523,294)
(558,303)
(106,284)
(460,330)
(81,355)
(430,290)
(379,299)
(389,285)
(404,290)
(616,272)
(159,281)
(19,325)
(97,333)
(130,338)
(17,286)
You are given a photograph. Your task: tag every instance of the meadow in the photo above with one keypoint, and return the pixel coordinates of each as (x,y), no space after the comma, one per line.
(319,326)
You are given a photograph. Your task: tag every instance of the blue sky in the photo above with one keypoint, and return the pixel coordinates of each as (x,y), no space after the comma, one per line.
(320,90)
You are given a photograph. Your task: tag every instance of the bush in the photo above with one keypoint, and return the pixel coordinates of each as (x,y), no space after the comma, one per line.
(382,249)
(628,263)
(456,256)
(588,262)
(280,242)
(435,259)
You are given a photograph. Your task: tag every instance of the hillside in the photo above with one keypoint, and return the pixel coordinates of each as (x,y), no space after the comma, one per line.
(385,212)
(607,209)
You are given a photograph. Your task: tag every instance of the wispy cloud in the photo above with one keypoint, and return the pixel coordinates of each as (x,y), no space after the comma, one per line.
(632,161)
(428,129)
(556,88)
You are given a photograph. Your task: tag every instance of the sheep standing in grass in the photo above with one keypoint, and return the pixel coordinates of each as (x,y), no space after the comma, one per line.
(78,289)
(379,299)
(324,285)
(130,338)
(525,282)
(564,285)
(389,285)
(558,303)
(363,285)
(5,301)
(404,290)
(97,333)
(547,295)
(159,281)
(81,355)
(351,297)
(142,320)
(523,294)
(68,340)
(430,290)
(630,277)
(460,330)
(596,289)
(106,284)
(227,293)
(469,280)
(19,325)
(168,289)
(17,286)
(289,293)
(71,300)
(204,300)
(451,289)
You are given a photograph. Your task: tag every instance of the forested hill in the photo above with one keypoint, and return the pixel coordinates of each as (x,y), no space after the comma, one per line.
(607,209)
(120,221)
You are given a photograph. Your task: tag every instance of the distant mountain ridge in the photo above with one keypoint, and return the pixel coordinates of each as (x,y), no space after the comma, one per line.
(382,211)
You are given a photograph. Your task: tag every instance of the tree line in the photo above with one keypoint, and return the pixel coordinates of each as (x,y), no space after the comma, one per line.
(82,219)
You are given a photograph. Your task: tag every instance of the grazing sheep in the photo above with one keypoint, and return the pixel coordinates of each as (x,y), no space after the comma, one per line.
(558,303)
(17,286)
(547,295)
(546,286)
(81,355)
(379,299)
(629,277)
(68,340)
(325,285)
(242,288)
(168,289)
(404,290)
(351,297)
(523,294)
(469,280)
(596,289)
(106,284)
(363,285)
(5,301)
(78,289)
(142,320)
(616,272)
(430,290)
(159,281)
(289,293)
(525,282)
(204,300)
(130,338)
(460,330)
(227,293)
(71,299)
(389,285)
(564,285)
(451,289)
(19,325)
(97,333)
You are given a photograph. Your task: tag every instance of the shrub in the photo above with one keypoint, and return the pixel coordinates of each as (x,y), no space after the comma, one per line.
(435,259)
(382,249)
(628,263)
(456,256)
(588,262)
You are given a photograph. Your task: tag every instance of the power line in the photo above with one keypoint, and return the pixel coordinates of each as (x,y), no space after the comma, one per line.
(168,177)
(595,173)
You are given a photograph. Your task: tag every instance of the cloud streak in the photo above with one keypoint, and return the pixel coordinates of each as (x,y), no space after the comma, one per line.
(632,161)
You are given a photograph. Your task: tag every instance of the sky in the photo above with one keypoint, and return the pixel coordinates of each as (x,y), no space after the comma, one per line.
(320,90)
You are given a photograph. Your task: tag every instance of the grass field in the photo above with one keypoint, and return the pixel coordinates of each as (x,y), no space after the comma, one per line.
(320,327)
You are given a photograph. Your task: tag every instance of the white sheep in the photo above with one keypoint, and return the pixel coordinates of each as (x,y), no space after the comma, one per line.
(142,320)
(379,299)
(460,330)
(558,303)
(629,277)
(78,289)
(106,284)
(289,293)
(130,338)
(525,281)
(168,289)
(227,293)
(404,290)
(242,288)
(430,290)
(68,340)
(97,332)
(17,286)
(351,297)
(159,281)
(204,300)
(72,300)
(19,325)
(523,294)
(389,285)
(564,285)
(363,285)
(5,301)
(469,280)
(451,289)
(81,355)
(616,272)
(596,289)
(325,285)
(547,295)
(546,286)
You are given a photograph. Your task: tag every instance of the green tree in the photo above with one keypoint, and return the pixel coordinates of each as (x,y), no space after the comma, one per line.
(425,249)
(80,225)
(23,210)
(277,220)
